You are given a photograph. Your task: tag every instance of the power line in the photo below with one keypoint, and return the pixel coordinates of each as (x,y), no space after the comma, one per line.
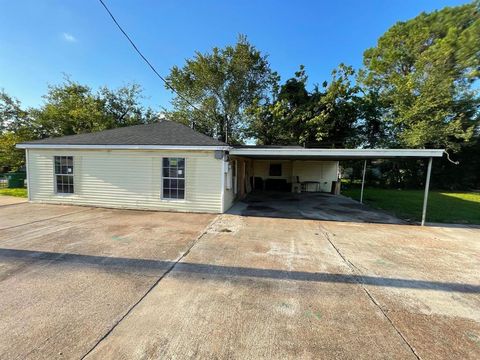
(148,62)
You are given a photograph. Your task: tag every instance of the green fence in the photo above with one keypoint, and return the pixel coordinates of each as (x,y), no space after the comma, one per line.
(3,181)
(13,180)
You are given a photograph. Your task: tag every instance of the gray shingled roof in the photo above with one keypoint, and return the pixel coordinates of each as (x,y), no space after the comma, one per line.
(163,132)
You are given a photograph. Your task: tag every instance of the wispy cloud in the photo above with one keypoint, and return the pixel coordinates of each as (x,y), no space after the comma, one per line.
(69,37)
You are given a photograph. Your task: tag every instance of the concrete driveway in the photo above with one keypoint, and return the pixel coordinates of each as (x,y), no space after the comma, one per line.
(105,284)
(11,200)
(68,274)
(315,206)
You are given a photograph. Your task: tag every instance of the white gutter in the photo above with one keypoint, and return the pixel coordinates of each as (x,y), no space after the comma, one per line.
(339,153)
(301,152)
(120,147)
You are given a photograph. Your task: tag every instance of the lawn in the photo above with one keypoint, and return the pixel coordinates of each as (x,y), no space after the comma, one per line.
(445,207)
(19,192)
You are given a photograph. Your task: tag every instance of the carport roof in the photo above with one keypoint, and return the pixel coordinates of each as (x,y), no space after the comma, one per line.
(333,154)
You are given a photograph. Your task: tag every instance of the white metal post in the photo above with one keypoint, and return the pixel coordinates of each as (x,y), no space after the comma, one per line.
(425,196)
(363,180)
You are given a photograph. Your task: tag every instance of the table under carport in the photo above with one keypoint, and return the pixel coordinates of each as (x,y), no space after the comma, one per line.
(299,155)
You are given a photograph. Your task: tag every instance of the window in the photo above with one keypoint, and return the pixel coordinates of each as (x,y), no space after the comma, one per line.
(173,178)
(275,170)
(64,174)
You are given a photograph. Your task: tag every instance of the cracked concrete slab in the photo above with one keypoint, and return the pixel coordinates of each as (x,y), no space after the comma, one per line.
(29,213)
(66,279)
(11,200)
(250,287)
(250,293)
(441,319)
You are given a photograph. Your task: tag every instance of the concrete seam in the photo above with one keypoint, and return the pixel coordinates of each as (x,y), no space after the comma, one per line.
(50,218)
(193,243)
(355,270)
(19,203)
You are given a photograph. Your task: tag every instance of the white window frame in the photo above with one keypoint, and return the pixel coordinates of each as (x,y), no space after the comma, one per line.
(162,195)
(55,175)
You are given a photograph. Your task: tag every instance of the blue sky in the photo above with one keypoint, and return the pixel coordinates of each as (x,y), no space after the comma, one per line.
(41,40)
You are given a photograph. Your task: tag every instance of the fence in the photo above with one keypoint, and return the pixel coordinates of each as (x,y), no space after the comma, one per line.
(3,182)
(12,180)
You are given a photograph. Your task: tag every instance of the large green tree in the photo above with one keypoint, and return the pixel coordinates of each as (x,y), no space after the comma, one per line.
(73,108)
(11,112)
(327,116)
(423,74)
(14,121)
(69,108)
(221,84)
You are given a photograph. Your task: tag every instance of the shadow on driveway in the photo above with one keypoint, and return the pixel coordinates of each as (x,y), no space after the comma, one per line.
(192,269)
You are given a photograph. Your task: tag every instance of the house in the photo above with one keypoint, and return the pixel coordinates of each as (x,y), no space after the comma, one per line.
(169,166)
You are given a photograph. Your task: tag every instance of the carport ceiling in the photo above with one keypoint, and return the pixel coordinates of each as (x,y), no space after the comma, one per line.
(290,153)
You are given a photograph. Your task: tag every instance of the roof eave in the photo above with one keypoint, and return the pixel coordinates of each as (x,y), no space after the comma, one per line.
(121,147)
(341,153)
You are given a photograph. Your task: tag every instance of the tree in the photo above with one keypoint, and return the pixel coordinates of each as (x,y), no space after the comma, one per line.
(221,84)
(423,71)
(11,111)
(335,111)
(327,118)
(121,107)
(70,108)
(375,128)
(13,129)
(271,122)
(10,157)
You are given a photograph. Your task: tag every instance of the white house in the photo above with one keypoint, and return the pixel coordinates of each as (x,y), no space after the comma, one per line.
(169,166)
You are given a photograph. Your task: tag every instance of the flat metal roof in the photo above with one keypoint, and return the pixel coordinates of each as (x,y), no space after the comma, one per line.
(335,154)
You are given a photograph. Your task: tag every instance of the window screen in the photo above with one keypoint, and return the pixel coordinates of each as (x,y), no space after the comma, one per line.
(173,174)
(275,169)
(64,174)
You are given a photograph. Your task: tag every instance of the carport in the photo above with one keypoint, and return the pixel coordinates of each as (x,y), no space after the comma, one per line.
(244,159)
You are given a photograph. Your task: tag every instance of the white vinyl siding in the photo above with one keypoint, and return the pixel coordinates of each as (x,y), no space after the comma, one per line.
(128,179)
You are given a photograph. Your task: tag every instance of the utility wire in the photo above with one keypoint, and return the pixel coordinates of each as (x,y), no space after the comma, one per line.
(148,62)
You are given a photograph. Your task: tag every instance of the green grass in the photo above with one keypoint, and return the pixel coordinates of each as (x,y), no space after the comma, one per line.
(19,192)
(444,207)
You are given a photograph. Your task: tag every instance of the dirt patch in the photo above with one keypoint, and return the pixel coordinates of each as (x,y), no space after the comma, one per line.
(226,224)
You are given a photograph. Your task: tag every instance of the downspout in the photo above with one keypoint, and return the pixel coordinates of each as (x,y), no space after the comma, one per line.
(222,182)
(28,174)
